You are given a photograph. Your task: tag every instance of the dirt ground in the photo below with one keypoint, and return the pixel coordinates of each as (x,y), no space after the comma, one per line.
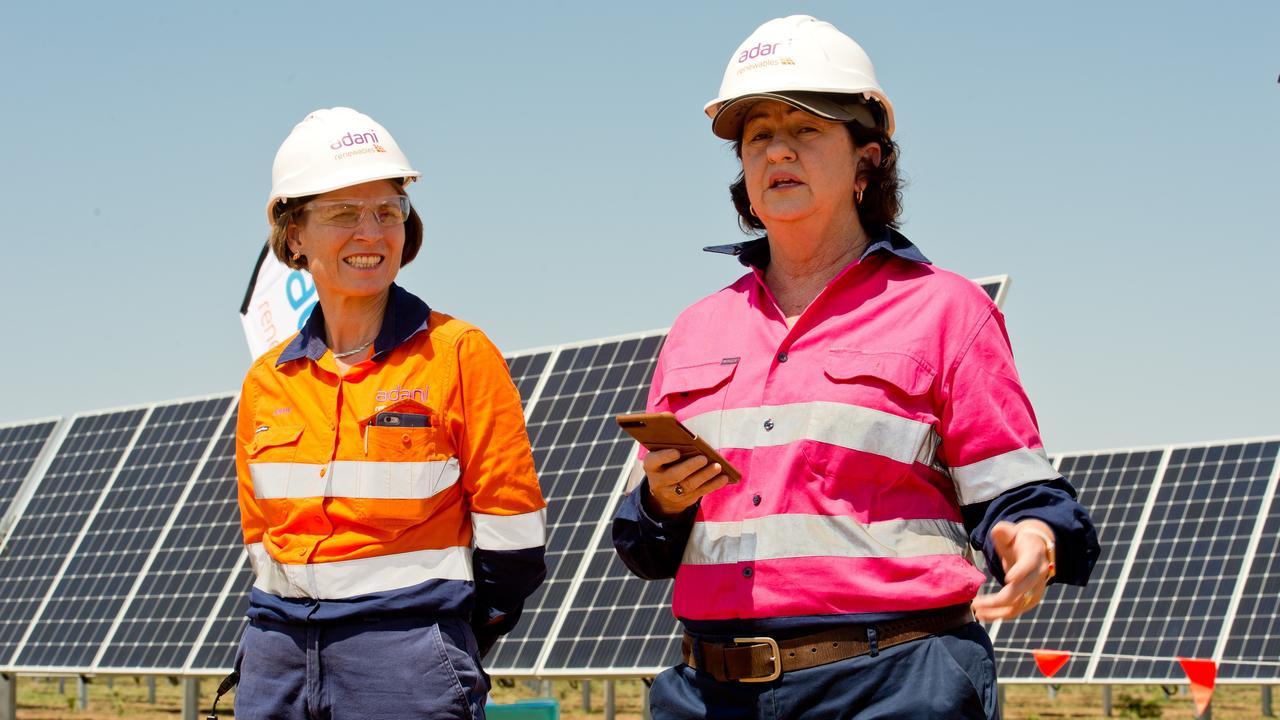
(126,697)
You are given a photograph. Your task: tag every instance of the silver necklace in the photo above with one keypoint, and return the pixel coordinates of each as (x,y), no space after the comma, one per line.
(349,353)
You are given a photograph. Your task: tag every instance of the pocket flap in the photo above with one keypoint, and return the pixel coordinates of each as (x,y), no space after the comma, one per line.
(691,378)
(274,436)
(902,371)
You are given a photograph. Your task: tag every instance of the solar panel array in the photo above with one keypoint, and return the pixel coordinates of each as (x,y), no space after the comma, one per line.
(123,553)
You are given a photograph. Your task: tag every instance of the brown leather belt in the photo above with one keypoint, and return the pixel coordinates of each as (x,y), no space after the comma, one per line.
(761,659)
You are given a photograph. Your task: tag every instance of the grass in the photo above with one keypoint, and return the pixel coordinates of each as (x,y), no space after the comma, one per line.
(126,697)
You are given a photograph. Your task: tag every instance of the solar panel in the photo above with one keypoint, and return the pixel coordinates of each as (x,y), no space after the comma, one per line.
(1115,487)
(20,446)
(40,542)
(121,534)
(1255,631)
(1188,561)
(527,368)
(580,455)
(179,588)
(617,622)
(996,287)
(216,650)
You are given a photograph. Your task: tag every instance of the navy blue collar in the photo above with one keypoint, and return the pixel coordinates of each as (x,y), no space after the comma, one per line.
(405,315)
(754,253)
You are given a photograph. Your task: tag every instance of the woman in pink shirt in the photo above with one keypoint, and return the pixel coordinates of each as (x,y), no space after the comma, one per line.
(870,402)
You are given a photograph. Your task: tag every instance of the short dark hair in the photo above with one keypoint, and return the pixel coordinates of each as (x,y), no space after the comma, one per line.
(287,210)
(881,200)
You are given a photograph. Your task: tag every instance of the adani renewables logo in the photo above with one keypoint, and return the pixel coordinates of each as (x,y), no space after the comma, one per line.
(368,139)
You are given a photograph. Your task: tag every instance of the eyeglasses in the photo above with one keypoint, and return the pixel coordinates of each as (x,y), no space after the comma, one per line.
(387,211)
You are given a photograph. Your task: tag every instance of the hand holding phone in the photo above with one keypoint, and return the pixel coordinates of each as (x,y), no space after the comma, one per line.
(661,431)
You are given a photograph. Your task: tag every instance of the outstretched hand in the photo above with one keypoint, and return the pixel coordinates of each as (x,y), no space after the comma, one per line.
(1026,551)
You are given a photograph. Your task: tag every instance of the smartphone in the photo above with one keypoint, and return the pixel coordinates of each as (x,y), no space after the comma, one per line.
(659,431)
(401,419)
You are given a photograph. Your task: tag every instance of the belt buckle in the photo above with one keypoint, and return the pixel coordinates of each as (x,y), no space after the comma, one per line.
(777,658)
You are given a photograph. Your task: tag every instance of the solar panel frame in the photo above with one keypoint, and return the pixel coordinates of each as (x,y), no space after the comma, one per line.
(120,534)
(88,469)
(571,432)
(1147,655)
(1258,632)
(1119,519)
(214,650)
(20,469)
(152,602)
(996,287)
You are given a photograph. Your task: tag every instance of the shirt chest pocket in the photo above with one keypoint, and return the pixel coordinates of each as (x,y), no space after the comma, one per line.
(875,403)
(407,461)
(272,453)
(696,389)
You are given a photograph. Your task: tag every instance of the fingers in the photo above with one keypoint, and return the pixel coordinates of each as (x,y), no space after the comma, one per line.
(1003,535)
(676,484)
(1022,591)
(1027,572)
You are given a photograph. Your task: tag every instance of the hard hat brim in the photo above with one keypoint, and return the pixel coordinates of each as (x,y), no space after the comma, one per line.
(729,117)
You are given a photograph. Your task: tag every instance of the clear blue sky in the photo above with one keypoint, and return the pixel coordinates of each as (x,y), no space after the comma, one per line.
(1119,160)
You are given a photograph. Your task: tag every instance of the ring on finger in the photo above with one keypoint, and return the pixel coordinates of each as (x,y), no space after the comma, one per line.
(1028,598)
(679,490)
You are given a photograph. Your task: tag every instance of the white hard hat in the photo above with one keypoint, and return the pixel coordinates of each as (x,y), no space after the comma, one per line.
(334,148)
(806,63)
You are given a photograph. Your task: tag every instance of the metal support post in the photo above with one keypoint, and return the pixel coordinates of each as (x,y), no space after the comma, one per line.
(8,697)
(62,686)
(609,706)
(151,689)
(1000,698)
(586,696)
(1053,692)
(644,698)
(1266,702)
(548,688)
(1106,700)
(111,682)
(84,692)
(191,699)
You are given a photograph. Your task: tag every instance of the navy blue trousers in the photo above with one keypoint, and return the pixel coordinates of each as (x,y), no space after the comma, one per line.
(380,669)
(945,677)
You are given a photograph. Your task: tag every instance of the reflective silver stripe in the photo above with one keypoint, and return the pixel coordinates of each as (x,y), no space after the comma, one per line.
(354,479)
(795,536)
(349,578)
(510,532)
(849,426)
(985,479)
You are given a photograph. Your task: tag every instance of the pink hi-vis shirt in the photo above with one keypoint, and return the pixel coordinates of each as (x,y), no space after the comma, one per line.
(860,432)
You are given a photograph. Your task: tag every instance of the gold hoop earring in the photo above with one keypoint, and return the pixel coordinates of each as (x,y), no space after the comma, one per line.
(752,210)
(857,199)
(297,257)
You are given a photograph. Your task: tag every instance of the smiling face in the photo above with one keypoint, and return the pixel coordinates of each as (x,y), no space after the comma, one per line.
(350,262)
(798,166)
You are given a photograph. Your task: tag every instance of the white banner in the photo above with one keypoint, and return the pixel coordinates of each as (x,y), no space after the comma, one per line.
(277,303)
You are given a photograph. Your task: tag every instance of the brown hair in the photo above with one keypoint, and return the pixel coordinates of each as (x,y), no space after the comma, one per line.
(881,200)
(287,210)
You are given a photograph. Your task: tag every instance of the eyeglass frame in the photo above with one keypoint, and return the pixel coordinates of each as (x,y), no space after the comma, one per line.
(365,207)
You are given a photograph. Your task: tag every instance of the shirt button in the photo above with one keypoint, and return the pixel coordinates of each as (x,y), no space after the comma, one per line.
(322,471)
(746,572)
(768,425)
(755,499)
(782,357)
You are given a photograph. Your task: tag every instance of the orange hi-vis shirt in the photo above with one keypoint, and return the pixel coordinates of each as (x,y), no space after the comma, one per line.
(406,484)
